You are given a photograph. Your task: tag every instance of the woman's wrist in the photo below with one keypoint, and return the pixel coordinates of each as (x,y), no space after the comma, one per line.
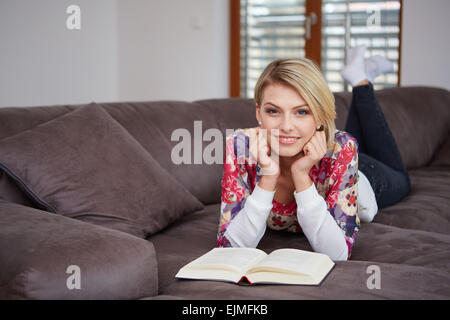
(302,181)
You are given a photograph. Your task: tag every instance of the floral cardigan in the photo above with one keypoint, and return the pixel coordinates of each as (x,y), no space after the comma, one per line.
(335,178)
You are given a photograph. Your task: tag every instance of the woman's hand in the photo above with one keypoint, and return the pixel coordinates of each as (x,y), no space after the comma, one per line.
(259,150)
(313,152)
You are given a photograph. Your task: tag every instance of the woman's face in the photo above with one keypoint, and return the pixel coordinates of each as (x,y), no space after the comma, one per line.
(284,109)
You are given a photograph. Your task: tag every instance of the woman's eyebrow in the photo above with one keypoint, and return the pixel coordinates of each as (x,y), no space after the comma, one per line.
(273,104)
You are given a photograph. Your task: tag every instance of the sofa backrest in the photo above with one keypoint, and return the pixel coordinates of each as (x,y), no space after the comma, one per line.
(419,118)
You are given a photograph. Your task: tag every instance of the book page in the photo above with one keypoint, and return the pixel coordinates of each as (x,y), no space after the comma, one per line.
(238,259)
(293,261)
(209,274)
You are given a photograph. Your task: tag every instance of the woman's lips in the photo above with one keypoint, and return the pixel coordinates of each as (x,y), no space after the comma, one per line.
(287,139)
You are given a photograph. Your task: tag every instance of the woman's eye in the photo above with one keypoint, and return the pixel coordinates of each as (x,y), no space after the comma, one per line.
(271,111)
(302,112)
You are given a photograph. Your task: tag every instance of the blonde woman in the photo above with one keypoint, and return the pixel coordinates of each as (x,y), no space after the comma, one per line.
(295,171)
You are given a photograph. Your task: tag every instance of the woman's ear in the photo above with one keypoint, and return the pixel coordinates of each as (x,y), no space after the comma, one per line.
(258,114)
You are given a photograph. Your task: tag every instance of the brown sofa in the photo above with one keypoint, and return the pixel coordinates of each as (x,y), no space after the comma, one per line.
(123,255)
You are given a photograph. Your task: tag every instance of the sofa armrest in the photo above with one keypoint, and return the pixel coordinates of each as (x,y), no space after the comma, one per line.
(48,256)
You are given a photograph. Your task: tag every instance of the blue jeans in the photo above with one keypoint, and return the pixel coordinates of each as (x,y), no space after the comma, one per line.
(379,157)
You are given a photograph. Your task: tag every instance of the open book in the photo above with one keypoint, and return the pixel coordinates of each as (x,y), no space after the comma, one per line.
(283,266)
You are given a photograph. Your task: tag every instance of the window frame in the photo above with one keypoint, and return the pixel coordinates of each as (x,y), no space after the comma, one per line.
(312,48)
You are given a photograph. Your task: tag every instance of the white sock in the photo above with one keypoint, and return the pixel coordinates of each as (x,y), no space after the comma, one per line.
(376,65)
(355,52)
(354,72)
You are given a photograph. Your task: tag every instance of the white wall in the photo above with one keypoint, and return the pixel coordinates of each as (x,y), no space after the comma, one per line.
(126,50)
(129,50)
(425,43)
(173,49)
(42,62)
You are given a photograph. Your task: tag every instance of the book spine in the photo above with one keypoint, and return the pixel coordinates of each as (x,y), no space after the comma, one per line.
(244,277)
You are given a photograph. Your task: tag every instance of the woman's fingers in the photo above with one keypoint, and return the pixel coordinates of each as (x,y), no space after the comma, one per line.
(268,165)
(258,147)
(312,150)
(322,142)
(317,145)
(259,151)
(263,149)
(253,145)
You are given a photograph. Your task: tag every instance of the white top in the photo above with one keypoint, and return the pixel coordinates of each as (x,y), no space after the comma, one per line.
(319,227)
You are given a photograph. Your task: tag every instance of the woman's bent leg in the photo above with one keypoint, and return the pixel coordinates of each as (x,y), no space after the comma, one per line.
(379,157)
(376,135)
(389,185)
(353,126)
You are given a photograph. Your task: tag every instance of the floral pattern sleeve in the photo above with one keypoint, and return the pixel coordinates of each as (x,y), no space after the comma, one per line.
(238,181)
(342,191)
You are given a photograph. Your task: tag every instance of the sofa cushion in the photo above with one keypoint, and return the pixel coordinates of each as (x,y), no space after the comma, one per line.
(10,191)
(408,259)
(85,165)
(418,133)
(153,123)
(426,207)
(38,248)
(13,121)
(349,280)
(383,243)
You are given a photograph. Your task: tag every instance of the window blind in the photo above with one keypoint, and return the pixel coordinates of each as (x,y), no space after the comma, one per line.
(373,23)
(270,29)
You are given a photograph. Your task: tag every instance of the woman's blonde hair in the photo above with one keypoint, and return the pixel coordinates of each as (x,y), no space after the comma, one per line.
(306,78)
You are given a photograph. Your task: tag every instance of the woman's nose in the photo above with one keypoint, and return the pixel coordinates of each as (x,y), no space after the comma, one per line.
(286,124)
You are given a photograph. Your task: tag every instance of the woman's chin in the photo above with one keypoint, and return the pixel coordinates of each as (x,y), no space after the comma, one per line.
(289,151)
